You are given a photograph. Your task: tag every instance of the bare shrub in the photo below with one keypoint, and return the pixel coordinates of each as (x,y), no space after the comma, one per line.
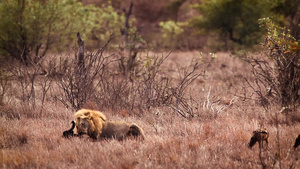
(182,97)
(141,89)
(134,86)
(26,78)
(30,84)
(81,80)
(148,87)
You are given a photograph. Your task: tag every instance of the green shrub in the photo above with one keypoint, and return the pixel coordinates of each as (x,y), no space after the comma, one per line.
(171,32)
(233,19)
(29,28)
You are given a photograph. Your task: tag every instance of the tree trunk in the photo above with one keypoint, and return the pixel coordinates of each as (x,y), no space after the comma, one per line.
(80,54)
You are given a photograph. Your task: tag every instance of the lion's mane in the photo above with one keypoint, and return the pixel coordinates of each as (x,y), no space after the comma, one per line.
(89,122)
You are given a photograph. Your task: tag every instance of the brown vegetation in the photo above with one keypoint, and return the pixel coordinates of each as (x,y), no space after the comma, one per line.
(197,110)
(216,136)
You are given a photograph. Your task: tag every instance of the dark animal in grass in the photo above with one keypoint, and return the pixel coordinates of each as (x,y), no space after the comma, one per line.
(297,142)
(69,133)
(259,136)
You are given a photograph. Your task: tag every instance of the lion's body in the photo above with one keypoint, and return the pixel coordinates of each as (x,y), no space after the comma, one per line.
(120,130)
(259,136)
(95,125)
(297,142)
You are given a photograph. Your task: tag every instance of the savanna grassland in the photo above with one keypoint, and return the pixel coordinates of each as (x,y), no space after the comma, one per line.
(215,136)
(150,63)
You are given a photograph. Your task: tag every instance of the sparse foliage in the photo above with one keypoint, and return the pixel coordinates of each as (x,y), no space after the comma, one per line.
(276,70)
(171,32)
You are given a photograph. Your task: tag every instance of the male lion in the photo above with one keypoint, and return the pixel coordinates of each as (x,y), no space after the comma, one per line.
(89,122)
(259,136)
(94,124)
(297,142)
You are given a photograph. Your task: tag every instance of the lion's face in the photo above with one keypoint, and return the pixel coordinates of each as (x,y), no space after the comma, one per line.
(83,124)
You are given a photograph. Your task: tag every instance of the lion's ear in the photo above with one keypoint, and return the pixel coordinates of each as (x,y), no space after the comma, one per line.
(103,119)
(87,113)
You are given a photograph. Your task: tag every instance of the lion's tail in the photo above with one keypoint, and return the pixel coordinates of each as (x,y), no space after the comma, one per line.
(136,131)
(73,125)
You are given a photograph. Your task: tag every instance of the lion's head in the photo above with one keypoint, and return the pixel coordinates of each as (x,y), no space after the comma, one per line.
(89,122)
(84,124)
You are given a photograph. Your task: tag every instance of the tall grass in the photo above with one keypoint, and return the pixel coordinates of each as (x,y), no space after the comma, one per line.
(210,139)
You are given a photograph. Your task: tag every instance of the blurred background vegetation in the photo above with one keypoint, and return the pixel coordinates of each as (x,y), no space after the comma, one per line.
(31,28)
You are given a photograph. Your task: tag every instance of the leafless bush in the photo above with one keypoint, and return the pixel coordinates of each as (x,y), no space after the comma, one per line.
(28,85)
(45,84)
(147,87)
(182,96)
(99,79)
(80,81)
(26,90)
(142,89)
(26,78)
(151,89)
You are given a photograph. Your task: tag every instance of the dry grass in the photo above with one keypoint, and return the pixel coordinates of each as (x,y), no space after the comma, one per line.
(217,137)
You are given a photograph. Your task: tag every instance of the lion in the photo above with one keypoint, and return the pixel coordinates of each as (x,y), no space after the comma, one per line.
(69,133)
(259,136)
(297,142)
(95,125)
